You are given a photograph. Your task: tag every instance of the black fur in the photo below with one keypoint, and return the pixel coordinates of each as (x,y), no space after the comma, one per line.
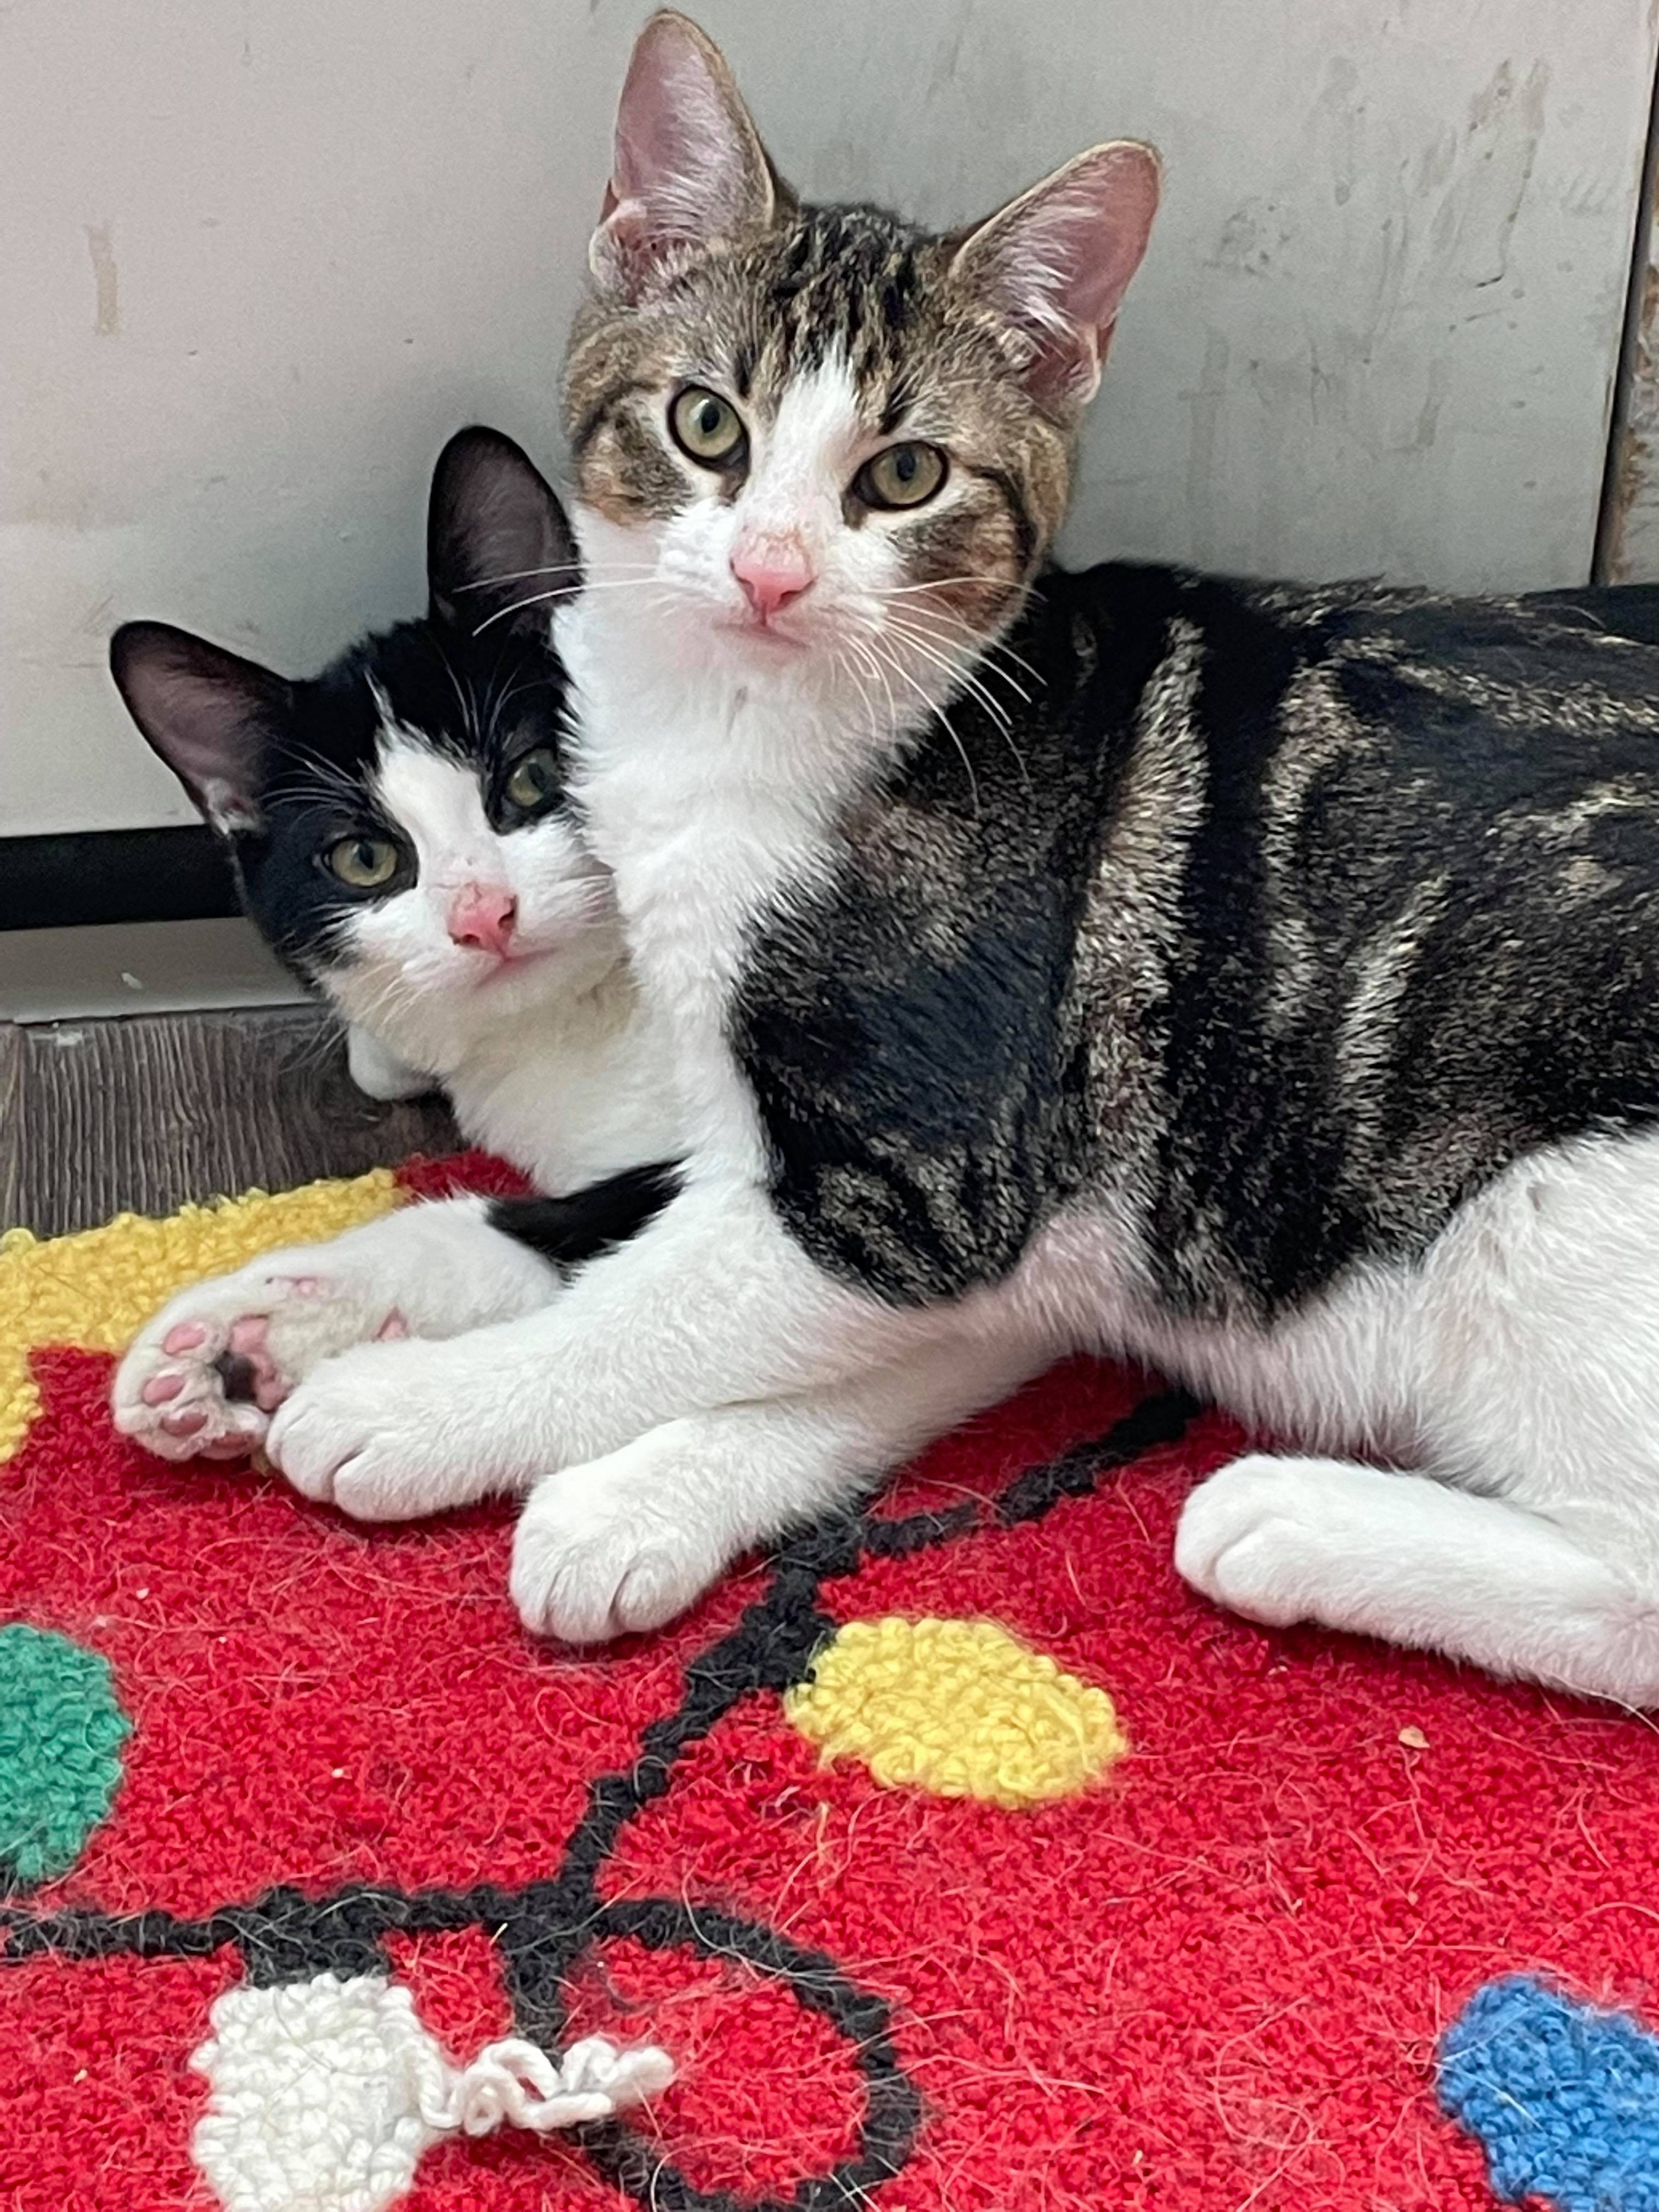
(568,1230)
(1288,921)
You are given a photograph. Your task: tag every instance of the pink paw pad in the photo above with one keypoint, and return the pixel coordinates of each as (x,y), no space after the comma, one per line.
(161,1388)
(393,1324)
(245,1368)
(184,1423)
(184,1336)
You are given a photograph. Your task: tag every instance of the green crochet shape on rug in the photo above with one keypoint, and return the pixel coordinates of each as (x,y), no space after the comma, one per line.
(61,1733)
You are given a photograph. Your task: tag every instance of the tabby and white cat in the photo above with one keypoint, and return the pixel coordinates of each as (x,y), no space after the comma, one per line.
(1263,982)
(400,836)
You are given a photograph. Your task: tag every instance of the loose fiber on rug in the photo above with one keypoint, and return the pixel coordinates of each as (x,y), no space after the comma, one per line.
(958,1858)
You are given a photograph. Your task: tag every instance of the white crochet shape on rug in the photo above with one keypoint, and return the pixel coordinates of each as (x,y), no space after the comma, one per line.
(325,2092)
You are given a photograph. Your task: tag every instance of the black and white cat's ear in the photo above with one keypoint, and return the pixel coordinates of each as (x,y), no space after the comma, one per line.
(687,168)
(1058,260)
(210,714)
(499,551)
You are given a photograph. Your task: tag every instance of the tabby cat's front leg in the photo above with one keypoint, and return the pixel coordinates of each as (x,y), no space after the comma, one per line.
(629,1541)
(711,1305)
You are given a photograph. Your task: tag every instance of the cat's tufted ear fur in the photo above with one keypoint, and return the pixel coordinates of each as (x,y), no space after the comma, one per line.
(210,714)
(688,169)
(1058,260)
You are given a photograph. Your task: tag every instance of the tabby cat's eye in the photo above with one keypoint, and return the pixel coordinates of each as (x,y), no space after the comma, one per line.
(706,427)
(534,780)
(366,864)
(900,475)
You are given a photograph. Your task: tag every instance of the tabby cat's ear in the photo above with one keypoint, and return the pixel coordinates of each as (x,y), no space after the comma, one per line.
(210,714)
(498,548)
(1058,260)
(689,167)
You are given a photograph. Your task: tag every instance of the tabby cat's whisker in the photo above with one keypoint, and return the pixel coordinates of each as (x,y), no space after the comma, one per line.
(552,568)
(543,599)
(934,651)
(994,710)
(935,712)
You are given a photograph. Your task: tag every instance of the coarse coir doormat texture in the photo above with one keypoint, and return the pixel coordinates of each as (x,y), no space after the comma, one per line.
(958,1858)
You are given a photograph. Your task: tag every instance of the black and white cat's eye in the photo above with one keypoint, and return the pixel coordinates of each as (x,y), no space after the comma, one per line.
(533,783)
(364,863)
(906,474)
(707,428)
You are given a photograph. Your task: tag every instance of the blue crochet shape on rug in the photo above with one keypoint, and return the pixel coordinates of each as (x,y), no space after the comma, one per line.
(1562,2097)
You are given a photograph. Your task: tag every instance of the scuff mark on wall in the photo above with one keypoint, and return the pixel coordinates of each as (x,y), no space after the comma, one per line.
(107,322)
(1476,220)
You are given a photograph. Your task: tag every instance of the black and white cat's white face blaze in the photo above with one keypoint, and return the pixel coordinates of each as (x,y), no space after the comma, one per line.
(400,822)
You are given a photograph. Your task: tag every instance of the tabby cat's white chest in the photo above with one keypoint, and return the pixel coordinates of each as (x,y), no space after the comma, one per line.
(692,796)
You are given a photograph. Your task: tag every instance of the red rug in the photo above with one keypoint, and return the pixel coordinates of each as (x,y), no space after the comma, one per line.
(958,1858)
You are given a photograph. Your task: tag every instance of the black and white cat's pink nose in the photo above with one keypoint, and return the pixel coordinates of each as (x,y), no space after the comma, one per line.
(771,573)
(482,916)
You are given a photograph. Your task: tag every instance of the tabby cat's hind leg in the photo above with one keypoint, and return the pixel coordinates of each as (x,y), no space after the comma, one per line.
(1418,1562)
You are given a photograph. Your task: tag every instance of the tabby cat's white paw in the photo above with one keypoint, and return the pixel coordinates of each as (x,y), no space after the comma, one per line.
(1264,1536)
(611,1548)
(202,1379)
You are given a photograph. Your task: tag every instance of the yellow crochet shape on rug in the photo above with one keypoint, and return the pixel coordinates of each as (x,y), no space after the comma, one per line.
(92,1292)
(960,1707)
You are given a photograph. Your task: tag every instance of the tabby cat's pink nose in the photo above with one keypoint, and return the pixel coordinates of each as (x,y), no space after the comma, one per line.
(771,576)
(483,915)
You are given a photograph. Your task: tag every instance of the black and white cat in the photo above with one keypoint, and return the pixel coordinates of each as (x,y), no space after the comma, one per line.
(1262,982)
(401,836)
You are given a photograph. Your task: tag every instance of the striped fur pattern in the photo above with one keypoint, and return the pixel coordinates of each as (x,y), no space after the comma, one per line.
(1293,918)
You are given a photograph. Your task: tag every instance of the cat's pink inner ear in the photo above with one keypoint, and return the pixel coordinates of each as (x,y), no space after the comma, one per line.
(688,164)
(1058,260)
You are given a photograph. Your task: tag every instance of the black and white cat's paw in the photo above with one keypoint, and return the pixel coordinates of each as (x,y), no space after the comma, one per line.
(202,1379)
(205,1377)
(616,1547)
(396,1432)
(379,1072)
(1270,1537)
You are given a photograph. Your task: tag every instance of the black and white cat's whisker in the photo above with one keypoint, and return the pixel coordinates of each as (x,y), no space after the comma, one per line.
(465,697)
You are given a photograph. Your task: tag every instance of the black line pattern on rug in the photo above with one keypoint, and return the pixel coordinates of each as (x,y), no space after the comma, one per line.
(544,1928)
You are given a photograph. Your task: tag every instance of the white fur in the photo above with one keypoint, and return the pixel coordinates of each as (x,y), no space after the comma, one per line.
(699,1388)
(1520,1359)
(429,1271)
